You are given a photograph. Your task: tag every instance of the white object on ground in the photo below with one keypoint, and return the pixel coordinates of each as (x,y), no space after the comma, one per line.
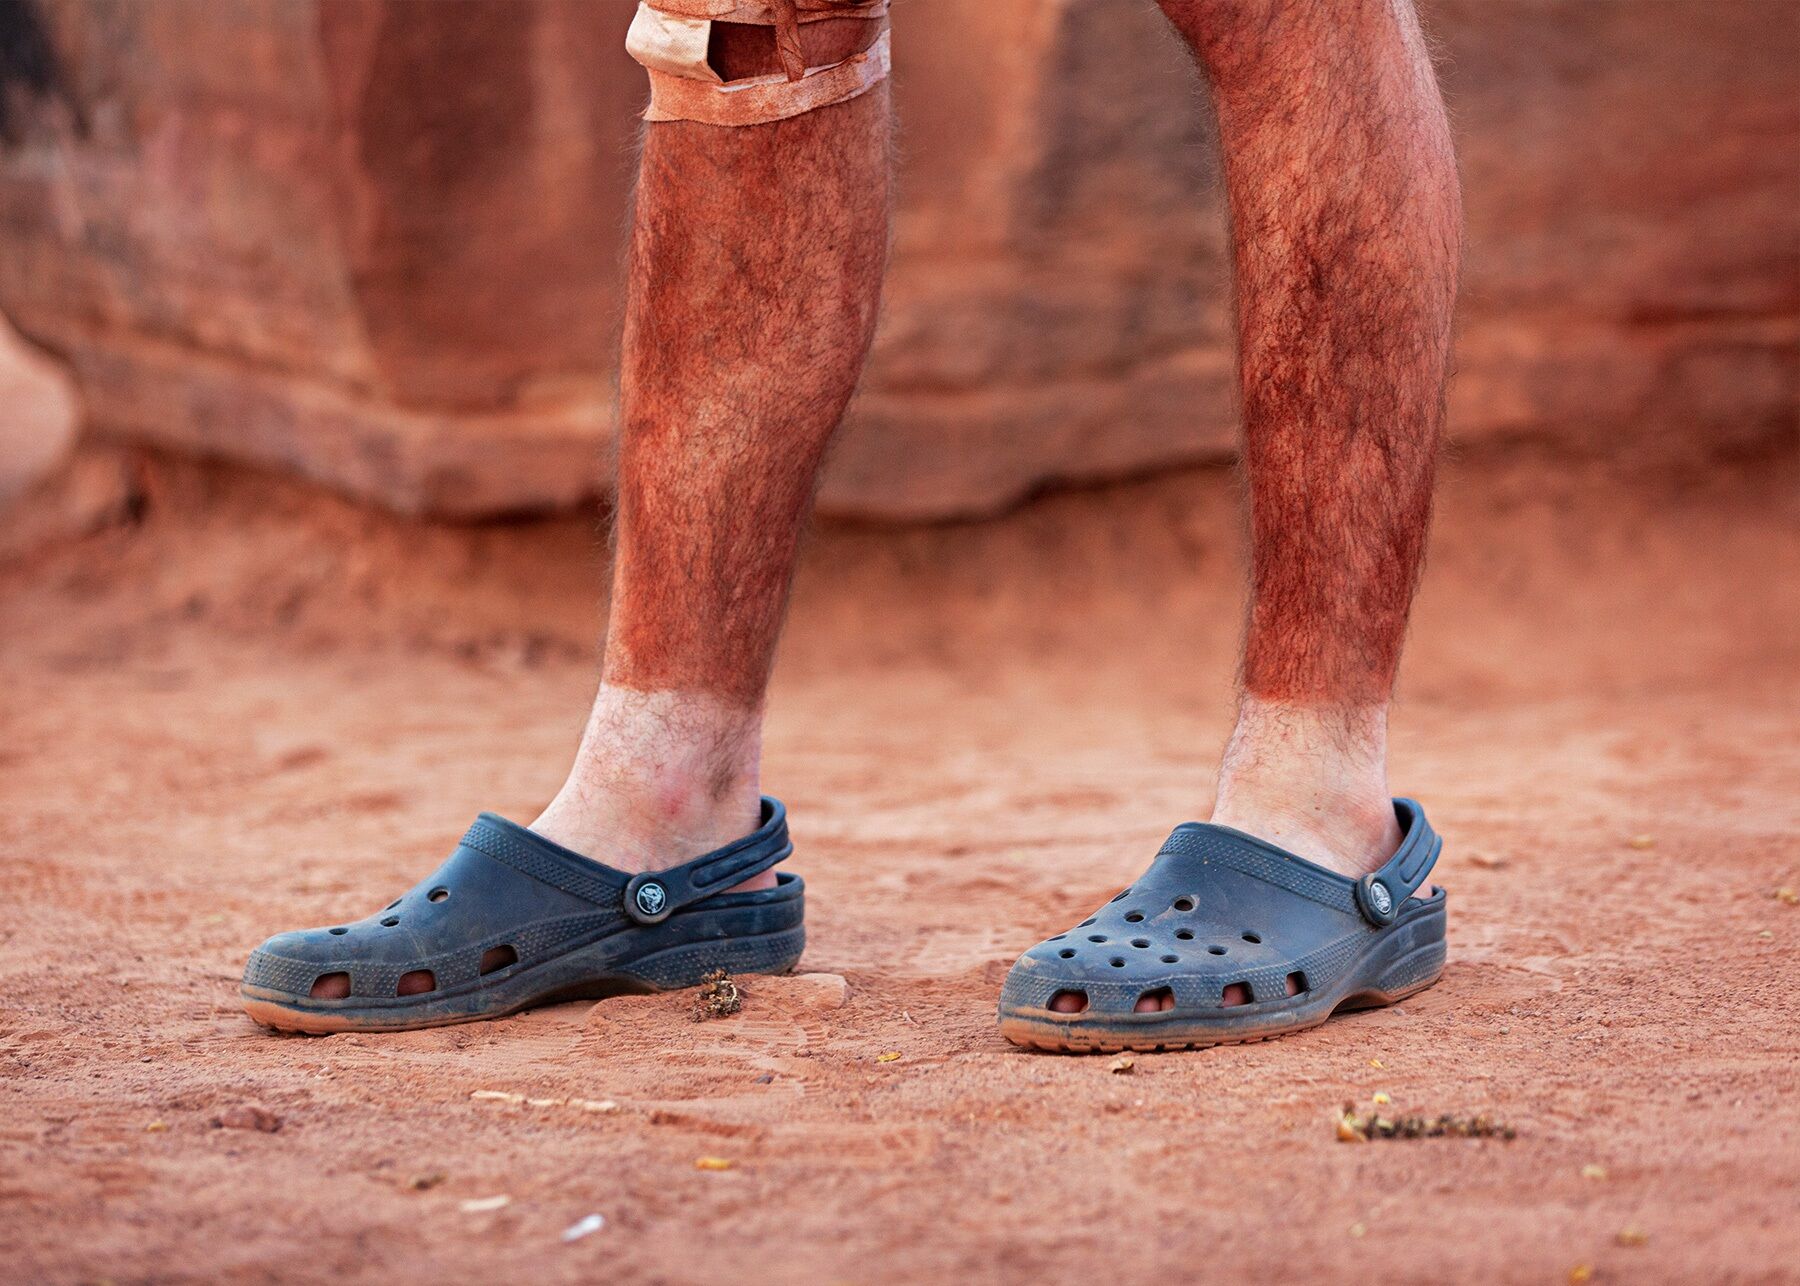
(481,1205)
(582,1227)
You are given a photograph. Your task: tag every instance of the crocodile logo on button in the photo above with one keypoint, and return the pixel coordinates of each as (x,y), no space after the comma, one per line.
(650,898)
(1378,894)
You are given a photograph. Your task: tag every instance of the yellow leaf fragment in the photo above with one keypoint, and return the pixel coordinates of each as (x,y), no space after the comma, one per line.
(1375,1063)
(1381,1097)
(1632,1235)
(891,1056)
(713,1163)
(1122,1065)
(156,1127)
(1592,1171)
(1348,1131)
(1641,842)
(1581,1273)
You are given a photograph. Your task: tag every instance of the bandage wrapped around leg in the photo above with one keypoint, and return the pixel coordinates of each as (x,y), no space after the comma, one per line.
(672,38)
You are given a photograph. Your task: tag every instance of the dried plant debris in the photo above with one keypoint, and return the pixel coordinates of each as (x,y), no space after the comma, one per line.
(1355,1128)
(718,997)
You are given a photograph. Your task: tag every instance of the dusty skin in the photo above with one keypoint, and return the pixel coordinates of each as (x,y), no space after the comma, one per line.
(252,707)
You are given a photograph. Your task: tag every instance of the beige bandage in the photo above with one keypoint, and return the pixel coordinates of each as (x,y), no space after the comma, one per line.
(672,40)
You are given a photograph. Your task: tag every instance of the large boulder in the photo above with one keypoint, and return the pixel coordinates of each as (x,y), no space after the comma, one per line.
(377,242)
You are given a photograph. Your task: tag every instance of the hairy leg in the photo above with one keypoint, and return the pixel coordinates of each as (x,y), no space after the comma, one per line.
(1346,222)
(755,272)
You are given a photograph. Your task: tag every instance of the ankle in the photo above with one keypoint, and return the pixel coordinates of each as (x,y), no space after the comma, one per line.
(660,779)
(1312,781)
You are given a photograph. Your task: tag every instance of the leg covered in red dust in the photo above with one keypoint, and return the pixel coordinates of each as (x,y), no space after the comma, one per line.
(753,282)
(755,270)
(1346,227)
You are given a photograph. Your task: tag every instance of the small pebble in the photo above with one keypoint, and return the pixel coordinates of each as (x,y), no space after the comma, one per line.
(247,1116)
(582,1227)
(482,1205)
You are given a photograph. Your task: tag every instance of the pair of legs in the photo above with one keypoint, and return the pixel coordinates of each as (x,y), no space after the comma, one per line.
(755,271)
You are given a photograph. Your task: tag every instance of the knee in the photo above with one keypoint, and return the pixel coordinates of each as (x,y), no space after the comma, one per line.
(756,61)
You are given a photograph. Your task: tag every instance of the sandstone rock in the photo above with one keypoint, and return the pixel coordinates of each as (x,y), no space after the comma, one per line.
(377,244)
(37,415)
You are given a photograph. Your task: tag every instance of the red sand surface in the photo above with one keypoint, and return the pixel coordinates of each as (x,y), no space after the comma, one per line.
(257,708)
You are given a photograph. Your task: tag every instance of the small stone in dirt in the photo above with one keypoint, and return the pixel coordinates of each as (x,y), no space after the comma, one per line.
(718,997)
(890,1057)
(247,1116)
(1632,1236)
(1592,1171)
(156,1127)
(1122,1065)
(481,1205)
(1581,1273)
(713,1163)
(582,1227)
(1787,896)
(427,1181)
(764,1079)
(1641,842)
(1358,1231)
(1487,860)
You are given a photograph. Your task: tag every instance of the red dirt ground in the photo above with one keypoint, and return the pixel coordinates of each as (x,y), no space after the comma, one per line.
(251,707)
